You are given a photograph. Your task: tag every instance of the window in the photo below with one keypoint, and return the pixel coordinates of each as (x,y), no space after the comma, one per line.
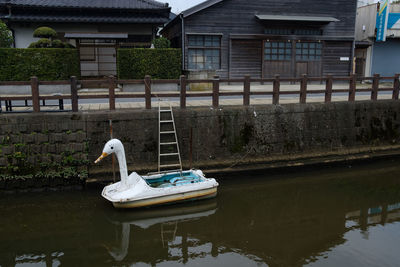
(308,51)
(287,31)
(278,51)
(204,52)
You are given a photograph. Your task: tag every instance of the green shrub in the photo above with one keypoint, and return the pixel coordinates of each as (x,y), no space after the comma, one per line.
(44,32)
(135,63)
(57,44)
(6,38)
(19,64)
(161,43)
(42,43)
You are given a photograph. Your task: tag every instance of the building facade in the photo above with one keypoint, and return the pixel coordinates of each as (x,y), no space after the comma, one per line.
(96,28)
(232,38)
(372,56)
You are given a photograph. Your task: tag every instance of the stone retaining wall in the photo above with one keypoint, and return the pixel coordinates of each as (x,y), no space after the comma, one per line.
(229,137)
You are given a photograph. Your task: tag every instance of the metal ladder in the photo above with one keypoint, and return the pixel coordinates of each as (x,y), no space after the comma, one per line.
(164,121)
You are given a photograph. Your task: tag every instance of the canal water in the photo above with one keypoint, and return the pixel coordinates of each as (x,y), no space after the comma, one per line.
(338,216)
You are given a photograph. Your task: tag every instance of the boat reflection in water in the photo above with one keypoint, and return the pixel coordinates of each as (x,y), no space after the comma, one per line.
(167,217)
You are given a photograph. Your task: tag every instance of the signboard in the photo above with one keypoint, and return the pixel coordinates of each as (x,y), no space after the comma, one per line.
(394,21)
(382,21)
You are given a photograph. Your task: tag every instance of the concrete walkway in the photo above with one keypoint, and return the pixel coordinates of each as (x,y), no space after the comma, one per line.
(102,104)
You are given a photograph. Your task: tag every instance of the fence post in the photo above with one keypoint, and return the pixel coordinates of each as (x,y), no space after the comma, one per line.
(375,87)
(276,88)
(246,90)
(396,87)
(111,91)
(215,97)
(183,91)
(35,94)
(328,89)
(147,91)
(303,89)
(74,94)
(352,88)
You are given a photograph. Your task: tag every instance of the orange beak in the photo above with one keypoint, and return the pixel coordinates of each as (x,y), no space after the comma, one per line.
(103,155)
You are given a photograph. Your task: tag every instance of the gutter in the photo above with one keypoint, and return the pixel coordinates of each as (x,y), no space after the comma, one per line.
(9,12)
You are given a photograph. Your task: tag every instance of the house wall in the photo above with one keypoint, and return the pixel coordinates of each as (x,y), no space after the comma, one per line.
(24,32)
(238,17)
(386,57)
(366,17)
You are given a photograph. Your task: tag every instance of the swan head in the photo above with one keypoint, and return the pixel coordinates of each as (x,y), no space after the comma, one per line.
(110,147)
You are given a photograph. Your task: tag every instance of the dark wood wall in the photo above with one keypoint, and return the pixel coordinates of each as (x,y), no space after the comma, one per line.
(238,17)
(246,58)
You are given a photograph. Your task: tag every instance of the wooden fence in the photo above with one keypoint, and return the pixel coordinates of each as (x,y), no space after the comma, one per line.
(183,94)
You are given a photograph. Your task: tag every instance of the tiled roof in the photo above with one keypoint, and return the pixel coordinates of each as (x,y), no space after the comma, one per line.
(94,19)
(112,4)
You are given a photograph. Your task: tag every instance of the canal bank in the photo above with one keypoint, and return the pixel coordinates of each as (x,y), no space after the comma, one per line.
(224,139)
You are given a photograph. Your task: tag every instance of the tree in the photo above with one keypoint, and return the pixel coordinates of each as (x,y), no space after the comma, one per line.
(44,32)
(47,40)
(6,38)
(161,43)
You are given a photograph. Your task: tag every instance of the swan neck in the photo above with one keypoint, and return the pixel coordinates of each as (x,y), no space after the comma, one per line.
(123,169)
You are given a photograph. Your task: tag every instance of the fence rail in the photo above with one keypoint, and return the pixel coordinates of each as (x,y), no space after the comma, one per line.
(215,93)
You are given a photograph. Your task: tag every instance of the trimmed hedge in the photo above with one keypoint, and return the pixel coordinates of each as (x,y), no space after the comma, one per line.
(19,64)
(135,63)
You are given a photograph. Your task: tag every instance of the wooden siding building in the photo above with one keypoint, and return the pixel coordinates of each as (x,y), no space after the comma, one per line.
(232,38)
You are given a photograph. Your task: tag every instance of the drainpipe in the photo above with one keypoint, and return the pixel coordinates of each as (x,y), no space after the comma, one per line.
(183,41)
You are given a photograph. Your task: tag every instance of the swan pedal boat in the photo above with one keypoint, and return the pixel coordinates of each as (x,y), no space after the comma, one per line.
(135,191)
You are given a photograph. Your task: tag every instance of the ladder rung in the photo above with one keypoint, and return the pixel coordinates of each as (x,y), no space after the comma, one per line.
(169,154)
(167,132)
(170,143)
(166,121)
(165,110)
(169,165)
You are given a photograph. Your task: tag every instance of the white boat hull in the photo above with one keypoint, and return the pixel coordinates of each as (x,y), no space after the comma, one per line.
(171,199)
(141,192)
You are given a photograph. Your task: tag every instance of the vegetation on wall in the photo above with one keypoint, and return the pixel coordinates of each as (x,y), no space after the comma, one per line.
(47,64)
(135,63)
(6,38)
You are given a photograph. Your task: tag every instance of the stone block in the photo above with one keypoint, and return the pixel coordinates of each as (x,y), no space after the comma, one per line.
(23,128)
(31,159)
(7,150)
(80,137)
(51,127)
(58,138)
(3,162)
(6,128)
(30,138)
(36,127)
(71,137)
(36,149)
(41,138)
(75,147)
(45,159)
(51,148)
(57,158)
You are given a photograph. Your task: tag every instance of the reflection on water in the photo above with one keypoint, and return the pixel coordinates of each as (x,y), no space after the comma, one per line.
(332,217)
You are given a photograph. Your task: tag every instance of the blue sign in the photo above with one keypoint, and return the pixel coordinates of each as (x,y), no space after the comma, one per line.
(394,21)
(382,20)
